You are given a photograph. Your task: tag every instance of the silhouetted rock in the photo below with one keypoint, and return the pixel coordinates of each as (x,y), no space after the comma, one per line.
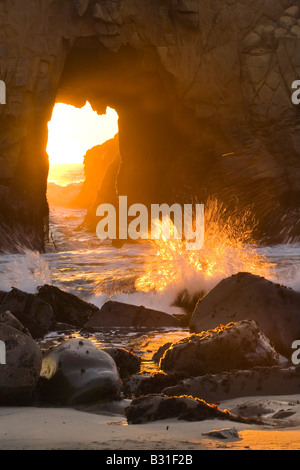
(96,162)
(19,376)
(244,296)
(158,407)
(118,314)
(67,308)
(77,372)
(259,381)
(34,313)
(234,346)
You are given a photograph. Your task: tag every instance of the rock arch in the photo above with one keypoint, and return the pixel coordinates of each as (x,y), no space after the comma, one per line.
(202,89)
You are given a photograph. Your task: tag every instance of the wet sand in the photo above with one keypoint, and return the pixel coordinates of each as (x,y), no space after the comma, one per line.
(105,428)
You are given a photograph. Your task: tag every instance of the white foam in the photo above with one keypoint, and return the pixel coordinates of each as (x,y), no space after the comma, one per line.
(24,271)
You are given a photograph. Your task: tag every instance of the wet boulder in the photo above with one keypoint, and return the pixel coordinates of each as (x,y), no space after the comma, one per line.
(34,313)
(78,372)
(118,314)
(244,296)
(67,308)
(20,369)
(233,346)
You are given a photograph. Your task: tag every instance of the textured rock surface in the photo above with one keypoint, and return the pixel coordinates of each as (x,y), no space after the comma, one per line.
(67,308)
(35,314)
(119,314)
(19,376)
(139,385)
(157,407)
(234,346)
(202,89)
(260,381)
(10,320)
(77,372)
(275,308)
(127,362)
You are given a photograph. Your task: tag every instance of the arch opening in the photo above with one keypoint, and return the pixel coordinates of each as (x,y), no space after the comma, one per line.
(155,132)
(75,137)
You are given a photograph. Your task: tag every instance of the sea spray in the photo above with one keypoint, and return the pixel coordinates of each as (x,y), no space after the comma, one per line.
(229,247)
(25,271)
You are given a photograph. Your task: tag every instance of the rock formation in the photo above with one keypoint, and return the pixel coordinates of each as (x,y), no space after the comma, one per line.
(202,89)
(157,407)
(122,315)
(238,345)
(259,381)
(244,296)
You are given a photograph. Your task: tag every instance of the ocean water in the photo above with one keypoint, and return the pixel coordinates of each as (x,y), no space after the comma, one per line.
(146,274)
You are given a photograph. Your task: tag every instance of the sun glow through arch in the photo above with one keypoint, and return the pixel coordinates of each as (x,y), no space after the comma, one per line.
(73,131)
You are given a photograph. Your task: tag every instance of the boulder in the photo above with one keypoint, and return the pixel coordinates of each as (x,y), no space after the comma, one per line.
(34,314)
(127,362)
(20,373)
(157,407)
(260,381)
(138,385)
(233,346)
(77,372)
(67,308)
(10,320)
(244,296)
(118,314)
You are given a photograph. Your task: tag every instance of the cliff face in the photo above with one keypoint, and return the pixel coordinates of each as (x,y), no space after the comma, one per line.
(202,89)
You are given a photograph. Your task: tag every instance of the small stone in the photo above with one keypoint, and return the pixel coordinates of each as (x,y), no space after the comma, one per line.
(226,433)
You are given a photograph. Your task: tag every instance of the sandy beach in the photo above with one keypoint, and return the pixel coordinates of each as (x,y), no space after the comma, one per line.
(105,428)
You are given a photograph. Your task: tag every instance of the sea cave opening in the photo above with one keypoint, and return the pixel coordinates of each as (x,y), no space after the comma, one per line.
(140,149)
(77,157)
